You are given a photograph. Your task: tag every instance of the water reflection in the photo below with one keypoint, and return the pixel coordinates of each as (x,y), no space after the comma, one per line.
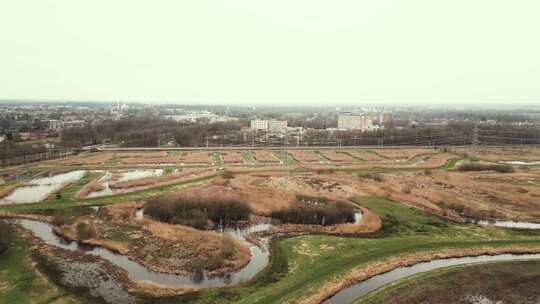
(348,295)
(259,258)
(40,188)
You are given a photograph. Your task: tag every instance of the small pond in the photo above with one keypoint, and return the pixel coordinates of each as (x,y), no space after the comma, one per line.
(40,188)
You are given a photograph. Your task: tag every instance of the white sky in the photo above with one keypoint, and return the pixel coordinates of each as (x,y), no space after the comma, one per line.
(287,52)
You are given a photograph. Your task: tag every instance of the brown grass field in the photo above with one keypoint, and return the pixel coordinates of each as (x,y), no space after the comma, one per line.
(336,156)
(265,156)
(459,195)
(364,155)
(151,160)
(232,157)
(402,154)
(197,158)
(502,154)
(97,158)
(142,154)
(304,156)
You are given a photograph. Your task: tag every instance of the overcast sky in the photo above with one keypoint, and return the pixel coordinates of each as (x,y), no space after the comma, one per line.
(288,52)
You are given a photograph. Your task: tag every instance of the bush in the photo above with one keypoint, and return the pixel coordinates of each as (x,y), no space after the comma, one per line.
(459,208)
(85,231)
(522,190)
(486,167)
(428,172)
(228,174)
(318,214)
(325,171)
(61,219)
(196,212)
(6,236)
(378,177)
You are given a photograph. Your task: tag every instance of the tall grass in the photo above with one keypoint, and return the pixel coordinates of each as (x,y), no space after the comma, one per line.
(321,213)
(6,236)
(198,211)
(486,167)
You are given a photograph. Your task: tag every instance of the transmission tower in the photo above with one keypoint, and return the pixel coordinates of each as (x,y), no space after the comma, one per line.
(475,140)
(286,160)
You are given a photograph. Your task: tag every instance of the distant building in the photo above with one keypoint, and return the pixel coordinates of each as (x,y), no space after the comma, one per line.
(277,126)
(74,124)
(261,125)
(273,126)
(355,122)
(55,125)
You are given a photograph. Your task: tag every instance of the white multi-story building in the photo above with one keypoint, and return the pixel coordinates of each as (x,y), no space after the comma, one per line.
(274,126)
(259,125)
(355,122)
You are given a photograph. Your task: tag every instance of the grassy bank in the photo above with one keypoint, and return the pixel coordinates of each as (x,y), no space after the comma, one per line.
(509,282)
(21,282)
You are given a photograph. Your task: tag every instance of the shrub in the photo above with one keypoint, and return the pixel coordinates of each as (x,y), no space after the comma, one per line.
(85,231)
(124,216)
(428,172)
(325,171)
(406,190)
(61,219)
(486,167)
(228,174)
(319,214)
(378,177)
(459,208)
(522,190)
(6,236)
(196,212)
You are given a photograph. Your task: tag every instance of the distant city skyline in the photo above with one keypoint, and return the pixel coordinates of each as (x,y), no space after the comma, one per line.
(260,53)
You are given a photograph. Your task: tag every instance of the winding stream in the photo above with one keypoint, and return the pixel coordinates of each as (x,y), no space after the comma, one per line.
(350,294)
(259,258)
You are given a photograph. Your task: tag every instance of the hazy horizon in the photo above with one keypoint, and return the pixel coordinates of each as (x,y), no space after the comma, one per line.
(286,53)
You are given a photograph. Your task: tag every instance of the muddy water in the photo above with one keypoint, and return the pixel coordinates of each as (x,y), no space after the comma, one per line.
(38,189)
(137,272)
(348,295)
(124,176)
